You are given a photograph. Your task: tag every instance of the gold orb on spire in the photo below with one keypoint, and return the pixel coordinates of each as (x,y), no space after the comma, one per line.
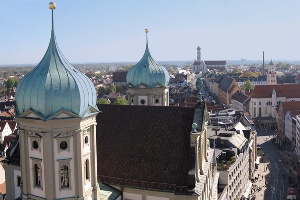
(146,30)
(52,5)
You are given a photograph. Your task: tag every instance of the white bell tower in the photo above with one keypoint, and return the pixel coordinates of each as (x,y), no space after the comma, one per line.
(57,130)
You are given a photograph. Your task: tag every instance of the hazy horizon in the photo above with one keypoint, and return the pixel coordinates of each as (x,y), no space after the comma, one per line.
(109,31)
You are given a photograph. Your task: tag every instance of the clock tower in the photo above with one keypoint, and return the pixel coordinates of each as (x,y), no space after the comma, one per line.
(56,111)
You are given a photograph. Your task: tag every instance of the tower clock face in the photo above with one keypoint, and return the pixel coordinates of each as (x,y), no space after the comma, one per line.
(63,145)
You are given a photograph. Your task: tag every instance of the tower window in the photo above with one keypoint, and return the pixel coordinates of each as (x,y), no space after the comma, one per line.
(37,175)
(86,139)
(63,145)
(143,101)
(19,181)
(64,176)
(156,101)
(35,144)
(87,169)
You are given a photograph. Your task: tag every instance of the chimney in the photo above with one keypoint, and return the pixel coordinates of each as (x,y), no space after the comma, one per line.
(263,70)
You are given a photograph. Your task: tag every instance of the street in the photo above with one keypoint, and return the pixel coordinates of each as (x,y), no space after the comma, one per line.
(276,167)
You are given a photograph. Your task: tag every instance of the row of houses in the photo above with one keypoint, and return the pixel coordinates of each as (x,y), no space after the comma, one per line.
(272,106)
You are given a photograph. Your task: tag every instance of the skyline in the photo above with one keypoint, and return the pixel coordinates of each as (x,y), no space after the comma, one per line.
(99,32)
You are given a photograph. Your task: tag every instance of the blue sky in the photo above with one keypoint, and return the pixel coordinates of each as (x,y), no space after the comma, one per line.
(113,30)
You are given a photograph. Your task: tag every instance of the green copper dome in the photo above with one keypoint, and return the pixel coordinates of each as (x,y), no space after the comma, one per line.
(55,85)
(148,73)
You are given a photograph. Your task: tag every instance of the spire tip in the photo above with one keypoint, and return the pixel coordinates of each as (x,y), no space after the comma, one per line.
(52,5)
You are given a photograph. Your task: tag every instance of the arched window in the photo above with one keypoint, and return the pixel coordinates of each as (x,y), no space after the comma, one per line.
(87,169)
(64,176)
(37,175)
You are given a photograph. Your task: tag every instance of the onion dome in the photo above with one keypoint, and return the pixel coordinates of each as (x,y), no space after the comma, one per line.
(147,72)
(54,85)
(198,48)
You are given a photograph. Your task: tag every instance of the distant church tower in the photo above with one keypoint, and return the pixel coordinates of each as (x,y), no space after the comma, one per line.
(56,111)
(198,54)
(147,82)
(271,75)
(199,65)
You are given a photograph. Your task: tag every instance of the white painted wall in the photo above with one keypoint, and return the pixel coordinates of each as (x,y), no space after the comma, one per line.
(131,196)
(156,198)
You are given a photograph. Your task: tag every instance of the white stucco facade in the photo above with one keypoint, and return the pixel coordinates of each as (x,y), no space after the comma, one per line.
(297,142)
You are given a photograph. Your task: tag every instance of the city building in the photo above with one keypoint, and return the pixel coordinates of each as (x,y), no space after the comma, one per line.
(266,98)
(66,150)
(233,158)
(271,74)
(56,113)
(147,82)
(226,88)
(297,142)
(240,101)
(259,80)
(286,122)
(201,66)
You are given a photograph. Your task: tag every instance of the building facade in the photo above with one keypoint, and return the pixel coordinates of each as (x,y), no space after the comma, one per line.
(56,112)
(147,82)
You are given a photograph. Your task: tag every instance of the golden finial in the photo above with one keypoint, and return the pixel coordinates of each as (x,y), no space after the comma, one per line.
(146,30)
(52,5)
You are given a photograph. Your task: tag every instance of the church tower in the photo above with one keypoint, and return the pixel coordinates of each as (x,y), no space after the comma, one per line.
(198,54)
(147,82)
(56,111)
(271,76)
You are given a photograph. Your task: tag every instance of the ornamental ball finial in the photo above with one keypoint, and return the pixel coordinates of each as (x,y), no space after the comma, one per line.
(146,30)
(52,5)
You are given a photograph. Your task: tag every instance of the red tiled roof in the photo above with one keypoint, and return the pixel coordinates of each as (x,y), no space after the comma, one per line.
(215,62)
(119,76)
(3,188)
(192,99)
(12,125)
(286,90)
(2,125)
(144,146)
(294,113)
(211,62)
(290,106)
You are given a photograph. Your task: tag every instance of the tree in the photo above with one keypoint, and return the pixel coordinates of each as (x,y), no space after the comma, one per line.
(199,84)
(11,82)
(120,88)
(113,88)
(102,90)
(247,85)
(236,70)
(103,101)
(120,101)
(248,74)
